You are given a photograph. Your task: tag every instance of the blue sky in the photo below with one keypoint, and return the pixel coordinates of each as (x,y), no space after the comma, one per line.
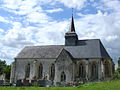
(44,22)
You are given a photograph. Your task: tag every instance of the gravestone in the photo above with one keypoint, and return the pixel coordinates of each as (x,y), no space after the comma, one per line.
(19,83)
(1,82)
(26,83)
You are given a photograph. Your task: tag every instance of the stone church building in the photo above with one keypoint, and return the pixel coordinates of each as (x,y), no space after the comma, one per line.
(75,60)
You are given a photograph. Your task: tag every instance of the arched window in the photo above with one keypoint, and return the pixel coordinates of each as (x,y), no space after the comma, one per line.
(40,71)
(81,71)
(27,71)
(63,77)
(94,73)
(52,72)
(107,69)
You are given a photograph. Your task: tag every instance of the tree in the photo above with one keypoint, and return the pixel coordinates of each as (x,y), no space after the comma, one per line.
(7,70)
(118,69)
(119,62)
(2,66)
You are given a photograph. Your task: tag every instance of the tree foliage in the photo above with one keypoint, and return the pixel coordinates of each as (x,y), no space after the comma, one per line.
(119,62)
(5,69)
(2,66)
(118,70)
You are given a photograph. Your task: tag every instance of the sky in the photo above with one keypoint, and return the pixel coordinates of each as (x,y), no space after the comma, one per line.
(44,22)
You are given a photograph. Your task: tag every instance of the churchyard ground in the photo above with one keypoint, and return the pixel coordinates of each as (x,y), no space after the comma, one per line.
(108,85)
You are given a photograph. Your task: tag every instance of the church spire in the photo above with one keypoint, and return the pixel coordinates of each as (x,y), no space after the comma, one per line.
(71,37)
(72,26)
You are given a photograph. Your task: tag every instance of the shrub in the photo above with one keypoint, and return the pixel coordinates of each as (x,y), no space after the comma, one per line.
(115,76)
(118,70)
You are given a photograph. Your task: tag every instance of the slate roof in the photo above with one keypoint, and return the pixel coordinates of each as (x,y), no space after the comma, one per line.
(91,48)
(51,51)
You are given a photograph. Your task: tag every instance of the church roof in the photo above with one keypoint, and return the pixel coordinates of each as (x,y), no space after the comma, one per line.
(91,48)
(50,51)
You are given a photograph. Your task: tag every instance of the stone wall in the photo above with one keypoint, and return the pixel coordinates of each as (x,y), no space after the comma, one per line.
(64,63)
(20,64)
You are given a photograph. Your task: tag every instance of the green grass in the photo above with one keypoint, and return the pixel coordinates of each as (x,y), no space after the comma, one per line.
(109,85)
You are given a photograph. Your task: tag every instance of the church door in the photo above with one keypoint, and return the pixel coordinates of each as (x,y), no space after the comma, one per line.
(63,77)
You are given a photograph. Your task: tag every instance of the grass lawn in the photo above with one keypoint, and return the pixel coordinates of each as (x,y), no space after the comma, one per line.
(109,85)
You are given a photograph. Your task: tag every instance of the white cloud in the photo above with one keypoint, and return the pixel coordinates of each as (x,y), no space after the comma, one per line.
(108,5)
(26,6)
(15,37)
(112,4)
(2,19)
(37,17)
(31,9)
(11,4)
(1,30)
(54,10)
(21,7)
(53,31)
(19,4)
(112,38)
(73,3)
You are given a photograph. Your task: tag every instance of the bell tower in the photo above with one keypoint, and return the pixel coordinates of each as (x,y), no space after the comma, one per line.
(71,37)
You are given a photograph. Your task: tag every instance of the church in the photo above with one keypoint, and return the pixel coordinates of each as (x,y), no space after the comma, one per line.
(75,60)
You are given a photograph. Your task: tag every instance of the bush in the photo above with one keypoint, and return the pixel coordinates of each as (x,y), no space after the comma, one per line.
(116,76)
(118,70)
(35,84)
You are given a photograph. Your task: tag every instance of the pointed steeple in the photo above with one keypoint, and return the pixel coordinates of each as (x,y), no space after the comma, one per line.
(72,26)
(71,37)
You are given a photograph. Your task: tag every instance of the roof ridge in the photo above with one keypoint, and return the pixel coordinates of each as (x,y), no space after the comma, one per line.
(44,45)
(88,39)
(102,47)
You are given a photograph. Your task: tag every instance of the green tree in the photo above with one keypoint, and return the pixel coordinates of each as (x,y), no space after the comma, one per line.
(118,70)
(7,70)
(2,66)
(119,62)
